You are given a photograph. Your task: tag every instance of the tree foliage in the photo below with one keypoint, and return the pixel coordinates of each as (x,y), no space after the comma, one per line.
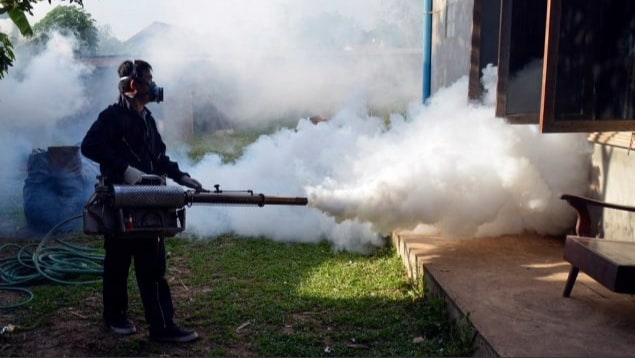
(17,11)
(69,20)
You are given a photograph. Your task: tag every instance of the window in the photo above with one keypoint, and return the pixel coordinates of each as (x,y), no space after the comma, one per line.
(485,28)
(590,66)
(520,61)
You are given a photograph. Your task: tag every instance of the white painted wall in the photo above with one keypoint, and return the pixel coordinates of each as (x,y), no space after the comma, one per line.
(613,180)
(451,41)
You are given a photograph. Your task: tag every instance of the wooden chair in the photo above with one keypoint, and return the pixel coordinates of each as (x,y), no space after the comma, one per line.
(609,262)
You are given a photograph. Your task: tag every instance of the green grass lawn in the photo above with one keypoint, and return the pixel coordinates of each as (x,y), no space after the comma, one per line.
(257,297)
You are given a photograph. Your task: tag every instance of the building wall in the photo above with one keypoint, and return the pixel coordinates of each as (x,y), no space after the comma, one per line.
(613,180)
(451,41)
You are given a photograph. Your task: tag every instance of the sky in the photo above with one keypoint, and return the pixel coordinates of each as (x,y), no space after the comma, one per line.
(124,18)
(447,168)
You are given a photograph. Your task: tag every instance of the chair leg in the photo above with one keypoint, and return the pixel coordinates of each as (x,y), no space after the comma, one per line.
(573,274)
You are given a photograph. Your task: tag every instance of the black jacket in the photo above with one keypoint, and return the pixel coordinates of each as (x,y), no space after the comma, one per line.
(120,137)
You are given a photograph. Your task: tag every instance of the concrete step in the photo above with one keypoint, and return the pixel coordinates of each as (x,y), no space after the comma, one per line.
(510,289)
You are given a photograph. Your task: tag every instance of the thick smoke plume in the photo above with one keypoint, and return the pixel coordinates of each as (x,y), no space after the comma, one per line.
(448,168)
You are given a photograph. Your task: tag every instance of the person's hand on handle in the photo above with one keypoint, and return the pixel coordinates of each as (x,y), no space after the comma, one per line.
(189,182)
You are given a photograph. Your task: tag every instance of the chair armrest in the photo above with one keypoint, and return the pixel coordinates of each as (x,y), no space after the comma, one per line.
(581,203)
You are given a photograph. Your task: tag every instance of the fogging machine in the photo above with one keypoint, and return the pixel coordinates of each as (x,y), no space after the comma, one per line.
(153,208)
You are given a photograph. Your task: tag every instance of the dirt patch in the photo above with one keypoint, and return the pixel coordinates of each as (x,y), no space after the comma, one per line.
(78,331)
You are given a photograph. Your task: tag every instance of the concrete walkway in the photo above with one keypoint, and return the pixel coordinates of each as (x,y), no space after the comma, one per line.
(510,288)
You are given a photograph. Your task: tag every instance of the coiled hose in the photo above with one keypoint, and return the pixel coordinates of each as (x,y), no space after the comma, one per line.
(53,259)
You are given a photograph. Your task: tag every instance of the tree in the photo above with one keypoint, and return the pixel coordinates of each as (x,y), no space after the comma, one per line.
(68,20)
(17,11)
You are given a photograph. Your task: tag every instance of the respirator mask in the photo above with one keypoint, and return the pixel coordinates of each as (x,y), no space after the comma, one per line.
(156,92)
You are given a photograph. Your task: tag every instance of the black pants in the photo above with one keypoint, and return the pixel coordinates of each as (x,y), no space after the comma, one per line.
(149,261)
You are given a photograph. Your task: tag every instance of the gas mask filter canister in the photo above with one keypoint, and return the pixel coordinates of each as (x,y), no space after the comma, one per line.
(156,92)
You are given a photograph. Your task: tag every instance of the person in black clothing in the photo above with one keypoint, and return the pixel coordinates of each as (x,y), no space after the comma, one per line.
(124,140)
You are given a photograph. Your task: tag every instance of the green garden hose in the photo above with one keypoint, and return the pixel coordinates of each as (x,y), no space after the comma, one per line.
(53,259)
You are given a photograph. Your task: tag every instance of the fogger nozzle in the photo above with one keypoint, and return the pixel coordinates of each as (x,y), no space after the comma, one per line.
(165,196)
